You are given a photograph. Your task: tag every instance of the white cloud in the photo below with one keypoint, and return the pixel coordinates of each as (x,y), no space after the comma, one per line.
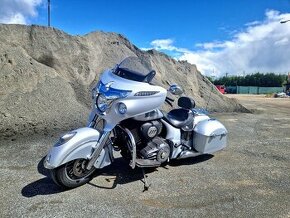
(282,42)
(167,44)
(163,44)
(18,11)
(262,46)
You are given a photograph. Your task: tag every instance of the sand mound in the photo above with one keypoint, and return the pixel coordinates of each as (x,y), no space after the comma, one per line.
(46,76)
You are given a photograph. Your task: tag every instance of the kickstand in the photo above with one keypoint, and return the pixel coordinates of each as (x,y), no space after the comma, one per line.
(146,185)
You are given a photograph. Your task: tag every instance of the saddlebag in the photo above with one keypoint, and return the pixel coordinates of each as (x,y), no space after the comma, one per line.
(209,136)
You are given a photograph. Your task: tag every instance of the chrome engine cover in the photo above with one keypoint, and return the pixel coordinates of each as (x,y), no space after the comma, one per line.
(156,149)
(151,129)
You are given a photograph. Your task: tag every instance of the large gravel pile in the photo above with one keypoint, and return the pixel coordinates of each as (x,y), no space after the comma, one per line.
(46,76)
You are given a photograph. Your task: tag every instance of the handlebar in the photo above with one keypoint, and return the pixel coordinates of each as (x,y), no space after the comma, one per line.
(169,101)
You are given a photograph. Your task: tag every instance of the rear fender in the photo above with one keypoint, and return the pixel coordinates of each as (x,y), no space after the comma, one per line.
(80,146)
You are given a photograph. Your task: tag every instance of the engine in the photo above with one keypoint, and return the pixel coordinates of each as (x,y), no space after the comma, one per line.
(149,143)
(156,149)
(151,129)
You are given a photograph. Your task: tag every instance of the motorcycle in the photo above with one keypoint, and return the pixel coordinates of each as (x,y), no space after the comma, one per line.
(126,117)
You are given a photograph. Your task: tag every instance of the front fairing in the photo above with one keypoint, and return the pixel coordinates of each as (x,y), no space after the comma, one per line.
(139,98)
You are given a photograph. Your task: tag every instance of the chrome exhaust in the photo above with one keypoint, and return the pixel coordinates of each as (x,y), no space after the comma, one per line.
(186,154)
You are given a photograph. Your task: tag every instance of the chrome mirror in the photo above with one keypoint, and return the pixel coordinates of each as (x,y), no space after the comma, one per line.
(175,89)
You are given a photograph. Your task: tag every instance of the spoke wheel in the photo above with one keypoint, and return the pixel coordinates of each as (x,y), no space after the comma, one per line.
(72,174)
(76,170)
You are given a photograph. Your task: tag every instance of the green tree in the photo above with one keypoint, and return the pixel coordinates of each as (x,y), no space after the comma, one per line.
(257,79)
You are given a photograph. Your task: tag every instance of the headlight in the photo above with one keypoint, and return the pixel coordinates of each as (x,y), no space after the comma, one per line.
(65,138)
(102,103)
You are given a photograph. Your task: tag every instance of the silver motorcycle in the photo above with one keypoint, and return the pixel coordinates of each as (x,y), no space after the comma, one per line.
(126,117)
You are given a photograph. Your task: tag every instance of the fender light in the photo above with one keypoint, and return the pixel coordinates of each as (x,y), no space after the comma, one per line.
(65,138)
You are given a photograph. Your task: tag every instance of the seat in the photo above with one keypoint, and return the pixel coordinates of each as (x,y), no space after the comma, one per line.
(180,118)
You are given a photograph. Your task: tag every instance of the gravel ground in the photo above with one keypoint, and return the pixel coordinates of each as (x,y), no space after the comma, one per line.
(250,178)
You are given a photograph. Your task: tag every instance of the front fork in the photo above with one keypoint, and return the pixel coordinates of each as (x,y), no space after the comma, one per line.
(93,121)
(98,148)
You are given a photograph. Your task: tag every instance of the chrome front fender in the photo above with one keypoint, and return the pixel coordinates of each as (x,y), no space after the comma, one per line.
(80,146)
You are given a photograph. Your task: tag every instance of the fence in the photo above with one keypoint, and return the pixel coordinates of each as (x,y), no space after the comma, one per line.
(253,90)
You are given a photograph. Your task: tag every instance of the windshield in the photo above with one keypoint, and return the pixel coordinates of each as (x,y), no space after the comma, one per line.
(136,69)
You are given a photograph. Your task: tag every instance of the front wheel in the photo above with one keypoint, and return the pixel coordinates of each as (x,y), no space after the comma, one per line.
(72,174)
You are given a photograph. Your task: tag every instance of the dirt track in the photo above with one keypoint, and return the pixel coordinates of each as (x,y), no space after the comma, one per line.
(251,177)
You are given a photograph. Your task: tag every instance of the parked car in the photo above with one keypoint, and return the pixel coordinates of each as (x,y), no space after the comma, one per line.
(221,88)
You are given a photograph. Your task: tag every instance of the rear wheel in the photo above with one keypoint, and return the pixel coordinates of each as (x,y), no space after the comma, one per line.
(72,174)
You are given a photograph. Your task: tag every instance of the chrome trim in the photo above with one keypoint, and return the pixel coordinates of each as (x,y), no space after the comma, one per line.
(175,89)
(133,148)
(111,93)
(109,84)
(146,93)
(186,154)
(98,148)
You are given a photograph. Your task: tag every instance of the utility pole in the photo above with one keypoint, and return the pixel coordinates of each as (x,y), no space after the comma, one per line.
(48,13)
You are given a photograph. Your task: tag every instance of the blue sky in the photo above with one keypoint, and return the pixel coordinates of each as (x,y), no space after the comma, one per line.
(187,21)
(183,29)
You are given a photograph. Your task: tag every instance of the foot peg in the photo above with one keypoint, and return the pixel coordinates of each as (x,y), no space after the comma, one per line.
(147,163)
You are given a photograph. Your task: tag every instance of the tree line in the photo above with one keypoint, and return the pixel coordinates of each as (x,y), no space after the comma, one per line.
(257,79)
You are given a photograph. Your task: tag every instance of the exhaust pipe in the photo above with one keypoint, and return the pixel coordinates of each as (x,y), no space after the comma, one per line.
(186,154)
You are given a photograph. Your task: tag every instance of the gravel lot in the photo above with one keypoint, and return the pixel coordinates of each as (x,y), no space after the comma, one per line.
(250,178)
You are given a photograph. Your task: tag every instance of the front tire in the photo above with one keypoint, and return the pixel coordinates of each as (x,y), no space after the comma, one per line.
(72,174)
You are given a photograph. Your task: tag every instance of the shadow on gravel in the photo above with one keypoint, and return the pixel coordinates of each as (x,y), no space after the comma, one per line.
(119,170)
(191,161)
(43,186)
(122,173)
